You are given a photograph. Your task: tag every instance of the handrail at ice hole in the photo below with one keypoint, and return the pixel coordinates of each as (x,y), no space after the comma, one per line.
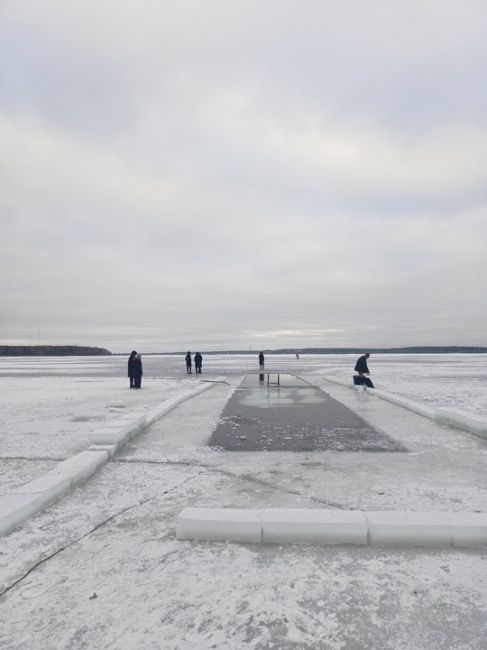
(451,416)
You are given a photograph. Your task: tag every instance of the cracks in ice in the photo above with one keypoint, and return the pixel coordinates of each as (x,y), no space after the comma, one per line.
(243,477)
(66,546)
(92,530)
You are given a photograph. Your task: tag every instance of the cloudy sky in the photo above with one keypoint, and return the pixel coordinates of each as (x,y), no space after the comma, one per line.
(243,173)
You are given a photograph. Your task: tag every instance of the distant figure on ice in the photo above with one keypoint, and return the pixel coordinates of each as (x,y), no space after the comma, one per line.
(187,358)
(131,368)
(138,371)
(261,360)
(297,355)
(362,369)
(198,360)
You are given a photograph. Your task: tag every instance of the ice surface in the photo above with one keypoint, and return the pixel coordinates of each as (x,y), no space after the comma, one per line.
(279,525)
(110,449)
(53,416)
(42,491)
(166,406)
(78,468)
(458,380)
(17,507)
(427,528)
(82,465)
(120,430)
(463,420)
(411,405)
(153,591)
(453,417)
(311,526)
(218,524)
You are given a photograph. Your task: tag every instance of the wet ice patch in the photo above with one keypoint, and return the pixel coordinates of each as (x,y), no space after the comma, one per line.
(298,418)
(276,397)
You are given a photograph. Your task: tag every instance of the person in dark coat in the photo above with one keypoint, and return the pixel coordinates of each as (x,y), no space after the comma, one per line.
(362,369)
(137,371)
(187,358)
(198,361)
(131,368)
(261,360)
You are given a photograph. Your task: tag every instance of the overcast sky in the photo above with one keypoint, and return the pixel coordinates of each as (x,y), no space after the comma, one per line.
(224,174)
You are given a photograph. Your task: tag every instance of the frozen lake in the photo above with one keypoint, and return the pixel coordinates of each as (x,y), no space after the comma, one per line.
(440,379)
(50,405)
(101,567)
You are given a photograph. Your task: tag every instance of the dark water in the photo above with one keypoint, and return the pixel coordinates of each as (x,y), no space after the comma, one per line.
(292,416)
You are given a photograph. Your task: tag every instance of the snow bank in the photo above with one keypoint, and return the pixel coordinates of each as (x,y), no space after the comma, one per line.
(310,526)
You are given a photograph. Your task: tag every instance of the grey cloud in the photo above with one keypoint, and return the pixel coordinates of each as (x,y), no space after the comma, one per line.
(244,173)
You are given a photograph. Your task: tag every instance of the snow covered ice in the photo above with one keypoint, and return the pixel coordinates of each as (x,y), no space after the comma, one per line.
(115,576)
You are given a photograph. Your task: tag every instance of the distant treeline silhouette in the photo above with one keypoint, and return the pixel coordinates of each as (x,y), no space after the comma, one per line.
(424,349)
(50,351)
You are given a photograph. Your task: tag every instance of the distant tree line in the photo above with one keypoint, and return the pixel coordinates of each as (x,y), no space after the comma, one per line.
(425,349)
(50,351)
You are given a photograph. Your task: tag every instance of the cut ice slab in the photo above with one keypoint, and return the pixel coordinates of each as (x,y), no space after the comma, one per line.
(219,524)
(427,528)
(279,525)
(312,526)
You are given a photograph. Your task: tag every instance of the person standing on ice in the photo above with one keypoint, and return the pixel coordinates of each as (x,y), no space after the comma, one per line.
(261,360)
(137,371)
(198,360)
(131,368)
(187,358)
(362,368)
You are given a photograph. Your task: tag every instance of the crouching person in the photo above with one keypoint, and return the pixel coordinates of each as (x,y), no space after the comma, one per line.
(362,369)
